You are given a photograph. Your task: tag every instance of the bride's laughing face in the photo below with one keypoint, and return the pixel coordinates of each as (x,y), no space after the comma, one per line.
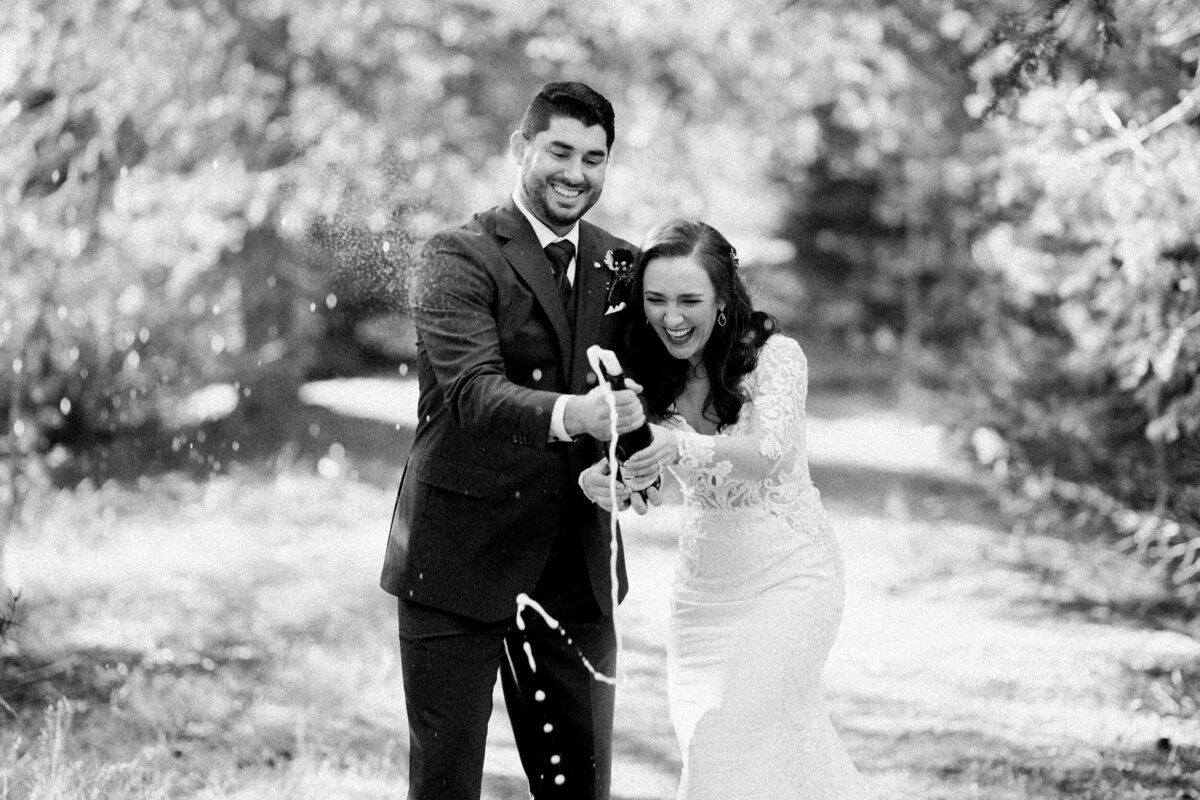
(681,305)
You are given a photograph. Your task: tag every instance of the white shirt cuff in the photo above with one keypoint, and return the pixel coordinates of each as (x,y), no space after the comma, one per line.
(558,427)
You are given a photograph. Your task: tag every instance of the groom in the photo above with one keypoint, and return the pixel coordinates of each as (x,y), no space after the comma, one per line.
(505,308)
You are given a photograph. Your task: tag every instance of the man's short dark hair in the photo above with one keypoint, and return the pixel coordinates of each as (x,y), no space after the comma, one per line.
(568,99)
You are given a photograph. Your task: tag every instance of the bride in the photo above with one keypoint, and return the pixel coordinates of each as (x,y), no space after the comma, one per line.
(758,590)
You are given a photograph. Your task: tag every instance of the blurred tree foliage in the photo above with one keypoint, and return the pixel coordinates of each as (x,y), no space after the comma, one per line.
(228,191)
(1086,364)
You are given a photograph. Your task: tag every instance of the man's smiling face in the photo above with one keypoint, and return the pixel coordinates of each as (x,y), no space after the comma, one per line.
(562,171)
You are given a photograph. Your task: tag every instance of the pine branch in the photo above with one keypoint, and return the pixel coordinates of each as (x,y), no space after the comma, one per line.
(1039,46)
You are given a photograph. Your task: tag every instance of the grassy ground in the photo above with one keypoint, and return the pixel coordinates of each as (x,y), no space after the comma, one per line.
(226,638)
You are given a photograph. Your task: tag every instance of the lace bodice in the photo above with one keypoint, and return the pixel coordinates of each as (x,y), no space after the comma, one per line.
(759,462)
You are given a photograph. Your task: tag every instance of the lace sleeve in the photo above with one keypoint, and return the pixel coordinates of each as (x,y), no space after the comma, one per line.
(778,391)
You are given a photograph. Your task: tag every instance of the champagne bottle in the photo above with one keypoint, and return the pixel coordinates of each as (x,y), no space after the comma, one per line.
(635,440)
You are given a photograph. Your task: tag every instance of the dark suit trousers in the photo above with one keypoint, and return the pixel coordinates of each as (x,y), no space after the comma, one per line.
(562,718)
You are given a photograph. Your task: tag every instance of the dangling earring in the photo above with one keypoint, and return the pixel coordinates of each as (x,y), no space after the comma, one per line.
(721,320)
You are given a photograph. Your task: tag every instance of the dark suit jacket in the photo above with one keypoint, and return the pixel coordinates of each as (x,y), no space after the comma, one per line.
(484,491)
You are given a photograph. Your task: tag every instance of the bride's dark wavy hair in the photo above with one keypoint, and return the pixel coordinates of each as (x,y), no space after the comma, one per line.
(731,351)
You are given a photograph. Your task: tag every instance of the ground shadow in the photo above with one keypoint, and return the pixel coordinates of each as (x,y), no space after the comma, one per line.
(972,759)
(881,491)
(286,437)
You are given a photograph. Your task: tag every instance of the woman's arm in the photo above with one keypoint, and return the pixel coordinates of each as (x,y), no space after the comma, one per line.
(780,389)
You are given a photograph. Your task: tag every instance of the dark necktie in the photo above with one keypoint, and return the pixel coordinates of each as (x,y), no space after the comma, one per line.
(560,254)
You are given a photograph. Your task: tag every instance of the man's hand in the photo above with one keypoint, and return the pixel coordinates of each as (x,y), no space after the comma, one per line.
(594,481)
(589,413)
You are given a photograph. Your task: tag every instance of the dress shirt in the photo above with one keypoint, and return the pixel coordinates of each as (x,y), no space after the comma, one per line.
(558,428)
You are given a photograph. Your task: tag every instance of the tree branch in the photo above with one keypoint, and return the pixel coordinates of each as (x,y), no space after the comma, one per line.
(1134,138)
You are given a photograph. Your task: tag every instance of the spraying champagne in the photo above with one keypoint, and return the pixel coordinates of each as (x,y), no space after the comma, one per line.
(609,369)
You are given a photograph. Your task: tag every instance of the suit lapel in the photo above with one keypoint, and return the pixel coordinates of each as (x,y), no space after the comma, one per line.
(526,257)
(591,286)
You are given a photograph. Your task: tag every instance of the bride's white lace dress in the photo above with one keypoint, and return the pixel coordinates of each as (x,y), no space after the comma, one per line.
(756,603)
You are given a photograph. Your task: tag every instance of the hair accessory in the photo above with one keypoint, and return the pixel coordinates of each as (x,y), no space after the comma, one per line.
(721,318)
(734,257)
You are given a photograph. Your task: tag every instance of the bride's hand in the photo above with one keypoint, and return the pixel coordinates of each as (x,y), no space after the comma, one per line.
(641,468)
(594,482)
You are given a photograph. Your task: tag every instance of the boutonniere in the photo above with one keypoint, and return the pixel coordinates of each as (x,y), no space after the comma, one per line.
(620,278)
